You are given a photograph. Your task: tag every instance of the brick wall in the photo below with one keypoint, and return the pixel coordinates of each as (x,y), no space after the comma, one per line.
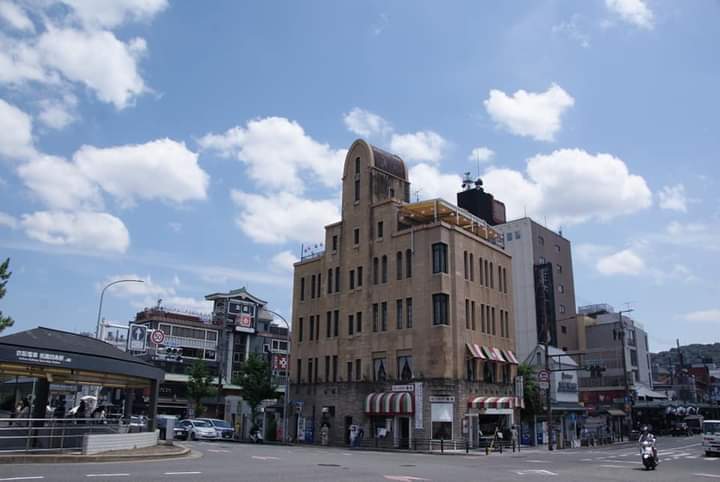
(93,444)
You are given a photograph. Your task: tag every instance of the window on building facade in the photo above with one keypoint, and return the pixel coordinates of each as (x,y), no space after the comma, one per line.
(384,270)
(467,314)
(376,316)
(492,276)
(471,265)
(470,364)
(563,329)
(408,263)
(358,370)
(356,236)
(505,280)
(558,268)
(398,265)
(481,278)
(541,241)
(482,317)
(405,368)
(541,260)
(300,329)
(310,370)
(330,281)
(492,311)
(376,270)
(379,370)
(298,373)
(500,280)
(334,368)
(357,190)
(489,372)
(336,322)
(441,416)
(380,229)
(358,321)
(327,369)
(334,242)
(557,248)
(487,278)
(328,324)
(517,234)
(351,324)
(472,315)
(337,279)
(440,309)
(349,371)
(312,328)
(440,256)
(505,374)
(312,287)
(408,312)
(302,289)
(359,276)
(399,314)
(561,288)
(383,316)
(316,370)
(465,265)
(352,279)
(319,285)
(508,236)
(357,165)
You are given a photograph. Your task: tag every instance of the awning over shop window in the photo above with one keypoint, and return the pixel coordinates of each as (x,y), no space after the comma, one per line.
(389,403)
(498,355)
(615,412)
(476,351)
(493,402)
(510,357)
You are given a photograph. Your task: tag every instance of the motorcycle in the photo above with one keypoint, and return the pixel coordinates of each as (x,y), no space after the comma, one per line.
(256,436)
(648,455)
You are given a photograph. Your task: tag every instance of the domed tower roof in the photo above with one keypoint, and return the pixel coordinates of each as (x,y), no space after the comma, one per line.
(389,163)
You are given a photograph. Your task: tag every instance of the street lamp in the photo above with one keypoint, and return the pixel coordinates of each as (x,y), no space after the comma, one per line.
(102,294)
(286,415)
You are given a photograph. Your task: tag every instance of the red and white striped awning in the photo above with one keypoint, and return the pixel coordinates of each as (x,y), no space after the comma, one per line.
(390,403)
(510,357)
(493,354)
(476,351)
(483,403)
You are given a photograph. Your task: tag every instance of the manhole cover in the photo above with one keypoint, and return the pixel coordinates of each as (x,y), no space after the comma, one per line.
(329,465)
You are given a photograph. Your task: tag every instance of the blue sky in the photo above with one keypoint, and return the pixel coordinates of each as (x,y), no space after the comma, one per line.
(197,148)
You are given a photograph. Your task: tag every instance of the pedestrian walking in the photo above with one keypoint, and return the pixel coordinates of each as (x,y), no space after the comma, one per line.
(514,437)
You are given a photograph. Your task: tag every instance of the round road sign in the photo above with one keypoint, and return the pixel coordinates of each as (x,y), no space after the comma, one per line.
(157,337)
(543,376)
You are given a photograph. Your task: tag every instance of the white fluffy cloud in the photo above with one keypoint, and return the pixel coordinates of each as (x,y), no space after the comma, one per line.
(57,114)
(133,171)
(284,261)
(283,217)
(673,198)
(59,184)
(112,13)
(279,154)
(7,220)
(427,182)
(14,16)
(422,146)
(625,262)
(530,114)
(16,141)
(481,154)
(81,230)
(96,59)
(704,316)
(635,12)
(569,186)
(365,123)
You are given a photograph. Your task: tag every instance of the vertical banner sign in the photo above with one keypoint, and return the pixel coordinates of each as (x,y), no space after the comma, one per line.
(520,390)
(418,405)
(301,428)
(137,338)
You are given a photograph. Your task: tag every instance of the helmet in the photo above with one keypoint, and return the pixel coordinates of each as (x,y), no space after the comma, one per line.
(645,429)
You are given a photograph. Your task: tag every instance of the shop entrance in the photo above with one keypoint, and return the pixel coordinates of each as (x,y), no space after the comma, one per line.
(404,442)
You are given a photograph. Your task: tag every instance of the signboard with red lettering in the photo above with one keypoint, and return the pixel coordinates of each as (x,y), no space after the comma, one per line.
(280,362)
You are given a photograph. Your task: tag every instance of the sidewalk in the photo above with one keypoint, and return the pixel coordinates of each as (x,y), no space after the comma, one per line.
(152,453)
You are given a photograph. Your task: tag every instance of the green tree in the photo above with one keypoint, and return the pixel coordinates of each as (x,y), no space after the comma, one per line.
(5,321)
(531,392)
(199,385)
(256,382)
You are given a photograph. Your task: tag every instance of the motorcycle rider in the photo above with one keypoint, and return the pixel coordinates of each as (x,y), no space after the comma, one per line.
(646,436)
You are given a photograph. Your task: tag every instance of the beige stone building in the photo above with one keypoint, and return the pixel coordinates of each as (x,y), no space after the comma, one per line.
(403,326)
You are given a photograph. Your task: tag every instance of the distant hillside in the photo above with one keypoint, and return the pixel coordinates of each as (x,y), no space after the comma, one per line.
(695,353)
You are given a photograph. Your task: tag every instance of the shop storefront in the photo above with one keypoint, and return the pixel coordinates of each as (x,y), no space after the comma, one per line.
(488,414)
(391,416)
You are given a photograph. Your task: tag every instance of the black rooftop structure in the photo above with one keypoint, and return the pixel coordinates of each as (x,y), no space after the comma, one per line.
(389,163)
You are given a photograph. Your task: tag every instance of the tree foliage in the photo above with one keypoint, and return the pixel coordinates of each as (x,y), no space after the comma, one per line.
(5,321)
(531,392)
(256,382)
(199,385)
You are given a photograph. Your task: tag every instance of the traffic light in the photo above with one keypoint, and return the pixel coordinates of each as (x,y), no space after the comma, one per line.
(173,354)
(596,371)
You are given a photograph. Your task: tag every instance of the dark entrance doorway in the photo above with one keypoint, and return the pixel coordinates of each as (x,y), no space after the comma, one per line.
(348,423)
(404,433)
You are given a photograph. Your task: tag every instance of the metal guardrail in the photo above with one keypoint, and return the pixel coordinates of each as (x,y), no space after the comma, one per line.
(484,445)
(42,435)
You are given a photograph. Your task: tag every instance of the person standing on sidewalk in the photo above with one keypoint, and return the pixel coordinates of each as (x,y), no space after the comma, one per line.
(514,437)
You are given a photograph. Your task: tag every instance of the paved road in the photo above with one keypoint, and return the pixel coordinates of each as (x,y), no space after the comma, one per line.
(682,459)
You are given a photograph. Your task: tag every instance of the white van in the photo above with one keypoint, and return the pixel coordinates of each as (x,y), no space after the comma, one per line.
(711,436)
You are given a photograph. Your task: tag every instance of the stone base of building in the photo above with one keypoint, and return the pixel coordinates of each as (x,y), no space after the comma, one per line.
(400,415)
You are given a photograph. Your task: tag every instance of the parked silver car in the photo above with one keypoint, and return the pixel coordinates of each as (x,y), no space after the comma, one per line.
(199,430)
(223,428)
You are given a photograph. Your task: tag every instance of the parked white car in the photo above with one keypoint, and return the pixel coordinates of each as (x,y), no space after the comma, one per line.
(199,430)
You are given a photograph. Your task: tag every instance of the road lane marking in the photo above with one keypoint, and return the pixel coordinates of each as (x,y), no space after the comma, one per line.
(534,472)
(107,475)
(182,473)
(538,461)
(403,478)
(257,457)
(219,451)
(32,477)
(710,476)
(610,466)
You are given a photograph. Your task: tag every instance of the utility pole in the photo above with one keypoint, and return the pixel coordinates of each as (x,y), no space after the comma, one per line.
(624,363)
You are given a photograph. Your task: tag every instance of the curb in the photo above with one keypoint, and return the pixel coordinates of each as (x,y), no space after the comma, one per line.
(73,459)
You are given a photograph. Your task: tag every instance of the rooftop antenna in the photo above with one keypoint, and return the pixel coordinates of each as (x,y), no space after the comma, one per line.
(467,182)
(417,195)
(159,302)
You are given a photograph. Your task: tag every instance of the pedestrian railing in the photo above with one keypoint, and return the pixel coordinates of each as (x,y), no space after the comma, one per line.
(44,435)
